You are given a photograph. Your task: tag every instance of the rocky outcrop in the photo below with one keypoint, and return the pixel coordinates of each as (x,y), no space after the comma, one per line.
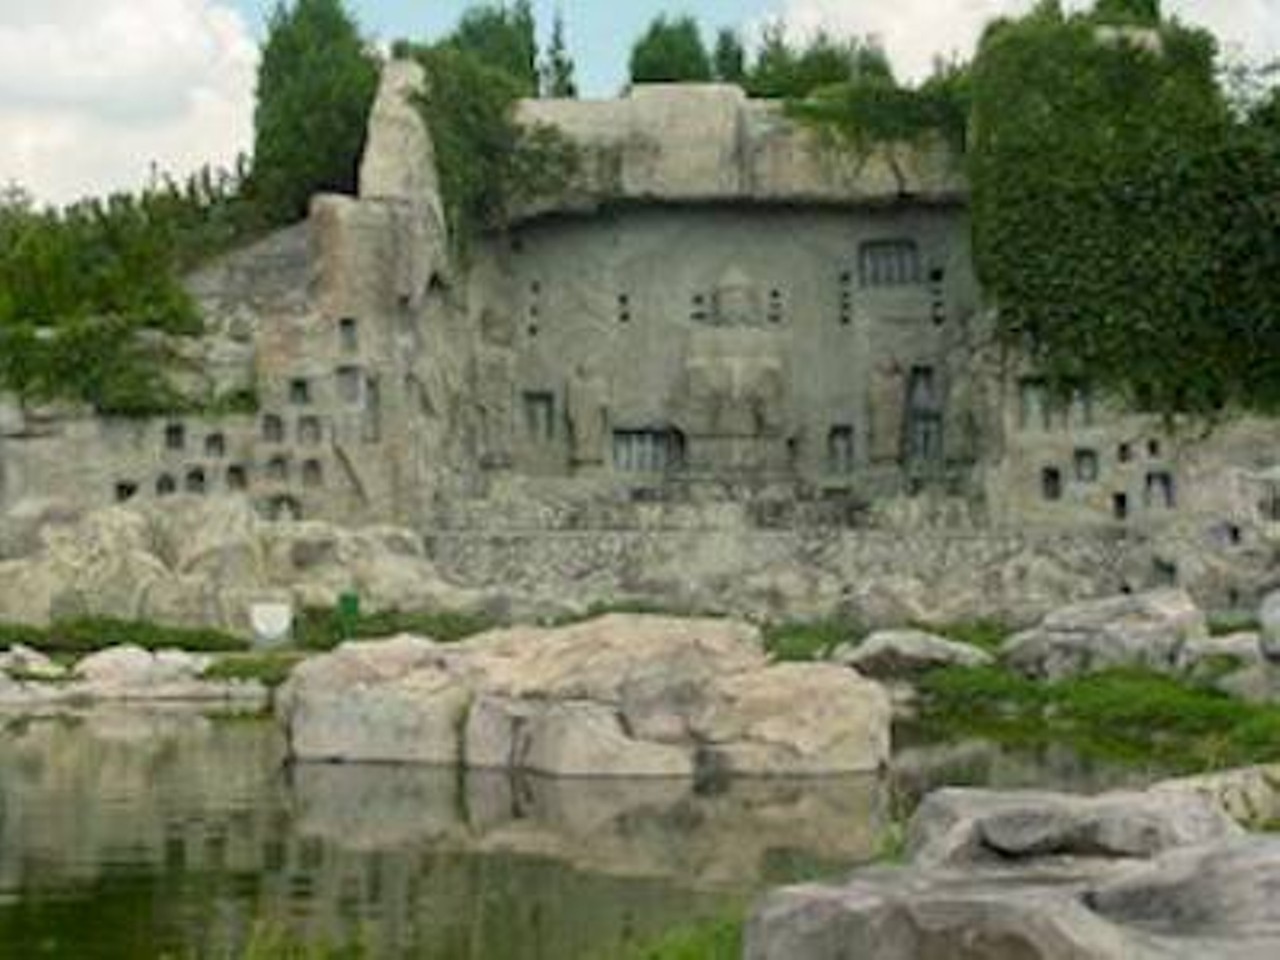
(124,674)
(904,654)
(1148,630)
(201,562)
(617,696)
(1159,876)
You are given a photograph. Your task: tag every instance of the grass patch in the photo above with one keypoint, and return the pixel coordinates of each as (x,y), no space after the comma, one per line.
(988,635)
(269,669)
(801,642)
(324,629)
(711,940)
(1126,715)
(1225,624)
(90,634)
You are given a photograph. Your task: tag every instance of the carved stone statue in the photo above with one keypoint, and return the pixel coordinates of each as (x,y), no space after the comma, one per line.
(587,406)
(737,302)
(888,410)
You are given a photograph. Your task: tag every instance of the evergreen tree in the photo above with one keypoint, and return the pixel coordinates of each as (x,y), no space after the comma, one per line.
(671,51)
(504,38)
(730,57)
(558,69)
(316,86)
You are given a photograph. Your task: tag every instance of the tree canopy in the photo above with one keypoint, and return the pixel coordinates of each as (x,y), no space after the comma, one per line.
(503,38)
(316,85)
(558,69)
(671,51)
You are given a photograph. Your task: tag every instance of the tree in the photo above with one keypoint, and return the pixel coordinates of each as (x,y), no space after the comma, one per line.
(504,38)
(1145,12)
(316,85)
(671,51)
(784,70)
(558,68)
(730,57)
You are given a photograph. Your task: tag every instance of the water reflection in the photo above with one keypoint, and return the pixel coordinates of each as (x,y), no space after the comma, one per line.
(134,833)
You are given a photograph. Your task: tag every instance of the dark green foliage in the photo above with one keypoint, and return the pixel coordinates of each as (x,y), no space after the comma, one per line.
(729,58)
(671,51)
(1125,221)
(558,69)
(1144,12)
(487,161)
(324,629)
(504,39)
(88,634)
(1131,715)
(316,85)
(786,71)
(988,635)
(810,641)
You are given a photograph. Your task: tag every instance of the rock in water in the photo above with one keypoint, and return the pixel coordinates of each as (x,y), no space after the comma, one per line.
(617,696)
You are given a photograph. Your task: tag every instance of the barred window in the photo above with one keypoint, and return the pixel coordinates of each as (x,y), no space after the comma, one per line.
(647,451)
(890,263)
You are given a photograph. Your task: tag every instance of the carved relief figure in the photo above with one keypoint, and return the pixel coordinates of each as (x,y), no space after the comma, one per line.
(737,303)
(587,407)
(888,403)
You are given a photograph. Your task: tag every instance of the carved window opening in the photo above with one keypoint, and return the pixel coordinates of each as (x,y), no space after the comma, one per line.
(166,486)
(272,429)
(777,307)
(1124,453)
(846,298)
(890,263)
(540,416)
(1154,450)
(1161,491)
(698,312)
(196,482)
(350,384)
(1051,484)
(349,335)
(1269,507)
(313,474)
(278,470)
(175,437)
(624,308)
(284,509)
(840,449)
(215,446)
(237,478)
(924,416)
(310,433)
(300,392)
(126,491)
(1086,466)
(1120,506)
(647,451)
(1164,573)
(1082,406)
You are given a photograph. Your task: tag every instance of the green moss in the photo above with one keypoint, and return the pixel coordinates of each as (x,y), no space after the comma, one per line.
(1125,715)
(324,629)
(812,640)
(89,634)
(713,940)
(988,635)
(269,669)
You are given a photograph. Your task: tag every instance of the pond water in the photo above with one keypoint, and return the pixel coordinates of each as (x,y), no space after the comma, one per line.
(127,833)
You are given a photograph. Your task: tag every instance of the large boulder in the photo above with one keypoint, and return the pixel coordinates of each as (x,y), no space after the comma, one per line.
(1147,630)
(1157,876)
(1269,622)
(958,827)
(620,696)
(905,654)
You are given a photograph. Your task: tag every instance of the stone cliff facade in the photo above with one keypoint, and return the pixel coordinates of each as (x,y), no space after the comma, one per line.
(727,366)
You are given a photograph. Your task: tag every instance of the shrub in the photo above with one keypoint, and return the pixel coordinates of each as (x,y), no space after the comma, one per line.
(815,640)
(90,634)
(323,629)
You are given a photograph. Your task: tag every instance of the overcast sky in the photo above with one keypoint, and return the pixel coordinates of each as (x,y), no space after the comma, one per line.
(93,93)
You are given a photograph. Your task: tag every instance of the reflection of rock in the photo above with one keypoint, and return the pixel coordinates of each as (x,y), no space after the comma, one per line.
(617,696)
(655,828)
(1164,875)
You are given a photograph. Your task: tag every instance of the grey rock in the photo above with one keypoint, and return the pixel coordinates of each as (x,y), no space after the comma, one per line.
(1269,621)
(909,653)
(1148,630)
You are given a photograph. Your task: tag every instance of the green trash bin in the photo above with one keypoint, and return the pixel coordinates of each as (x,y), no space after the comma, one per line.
(348,614)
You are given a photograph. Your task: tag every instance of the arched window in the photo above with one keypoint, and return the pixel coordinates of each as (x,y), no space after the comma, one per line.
(166,486)
(237,477)
(196,481)
(313,474)
(272,429)
(278,470)
(215,446)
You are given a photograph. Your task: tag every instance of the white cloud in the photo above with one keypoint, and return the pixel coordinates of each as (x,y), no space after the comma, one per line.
(914,31)
(94,92)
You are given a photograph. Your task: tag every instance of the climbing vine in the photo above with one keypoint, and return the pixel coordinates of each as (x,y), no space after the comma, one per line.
(1126,222)
(488,162)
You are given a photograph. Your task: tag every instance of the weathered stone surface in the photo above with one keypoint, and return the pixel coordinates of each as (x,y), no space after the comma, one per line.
(959,827)
(1146,630)
(1118,877)
(28,663)
(909,653)
(1269,620)
(620,696)
(1250,796)
(130,666)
